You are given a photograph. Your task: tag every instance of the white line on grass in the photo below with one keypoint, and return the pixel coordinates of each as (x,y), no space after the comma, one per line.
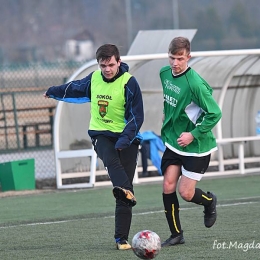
(135,214)
(222,205)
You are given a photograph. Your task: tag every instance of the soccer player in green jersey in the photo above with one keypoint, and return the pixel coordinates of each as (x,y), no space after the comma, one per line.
(190,113)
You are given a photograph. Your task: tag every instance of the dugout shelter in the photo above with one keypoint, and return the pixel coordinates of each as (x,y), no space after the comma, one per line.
(234,76)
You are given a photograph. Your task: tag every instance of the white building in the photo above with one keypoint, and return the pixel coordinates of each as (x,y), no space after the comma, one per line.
(80,47)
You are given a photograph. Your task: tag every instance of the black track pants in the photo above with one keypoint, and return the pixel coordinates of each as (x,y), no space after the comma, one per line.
(120,165)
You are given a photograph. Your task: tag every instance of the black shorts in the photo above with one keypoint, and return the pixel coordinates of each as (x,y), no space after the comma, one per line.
(192,167)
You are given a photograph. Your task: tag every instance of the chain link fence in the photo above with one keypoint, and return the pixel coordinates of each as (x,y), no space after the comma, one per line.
(26,118)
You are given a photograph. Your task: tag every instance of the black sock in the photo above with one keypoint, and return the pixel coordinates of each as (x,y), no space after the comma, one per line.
(201,198)
(171,207)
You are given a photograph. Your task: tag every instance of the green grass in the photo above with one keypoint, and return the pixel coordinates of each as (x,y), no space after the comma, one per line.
(79,224)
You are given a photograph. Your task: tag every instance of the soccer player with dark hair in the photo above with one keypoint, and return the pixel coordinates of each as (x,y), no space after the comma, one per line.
(116,118)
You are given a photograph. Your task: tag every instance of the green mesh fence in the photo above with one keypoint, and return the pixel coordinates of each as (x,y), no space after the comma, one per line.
(26,118)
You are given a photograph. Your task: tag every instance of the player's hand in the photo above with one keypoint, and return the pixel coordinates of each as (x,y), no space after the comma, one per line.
(185,139)
(45,95)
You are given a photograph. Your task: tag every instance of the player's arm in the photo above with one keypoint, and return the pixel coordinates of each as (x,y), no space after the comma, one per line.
(212,111)
(134,114)
(78,91)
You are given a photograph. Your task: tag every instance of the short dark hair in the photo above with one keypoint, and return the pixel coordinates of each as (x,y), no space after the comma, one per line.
(178,44)
(106,51)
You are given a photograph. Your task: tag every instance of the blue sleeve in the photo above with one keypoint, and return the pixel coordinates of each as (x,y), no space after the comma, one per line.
(134,114)
(78,91)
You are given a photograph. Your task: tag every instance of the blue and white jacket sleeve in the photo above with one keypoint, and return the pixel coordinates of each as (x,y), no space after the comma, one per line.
(134,114)
(77,91)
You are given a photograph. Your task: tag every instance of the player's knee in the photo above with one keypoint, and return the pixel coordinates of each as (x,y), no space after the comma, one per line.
(185,194)
(169,187)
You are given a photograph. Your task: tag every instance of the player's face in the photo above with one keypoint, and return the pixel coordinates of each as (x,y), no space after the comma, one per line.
(179,62)
(110,67)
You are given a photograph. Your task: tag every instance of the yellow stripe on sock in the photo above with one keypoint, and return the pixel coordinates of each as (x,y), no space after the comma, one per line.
(174,221)
(205,197)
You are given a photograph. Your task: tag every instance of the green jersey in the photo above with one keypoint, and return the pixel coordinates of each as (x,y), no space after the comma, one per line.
(188,107)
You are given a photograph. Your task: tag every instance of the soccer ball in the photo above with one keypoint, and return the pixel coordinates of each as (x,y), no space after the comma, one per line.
(146,244)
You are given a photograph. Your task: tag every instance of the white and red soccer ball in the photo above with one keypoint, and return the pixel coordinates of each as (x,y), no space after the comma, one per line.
(146,244)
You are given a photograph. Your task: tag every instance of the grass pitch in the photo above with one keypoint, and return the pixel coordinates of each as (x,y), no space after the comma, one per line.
(79,224)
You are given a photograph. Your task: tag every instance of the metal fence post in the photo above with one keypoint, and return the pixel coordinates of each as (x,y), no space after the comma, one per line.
(16,121)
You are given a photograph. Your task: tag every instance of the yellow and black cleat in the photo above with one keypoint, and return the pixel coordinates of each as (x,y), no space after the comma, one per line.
(124,195)
(124,245)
